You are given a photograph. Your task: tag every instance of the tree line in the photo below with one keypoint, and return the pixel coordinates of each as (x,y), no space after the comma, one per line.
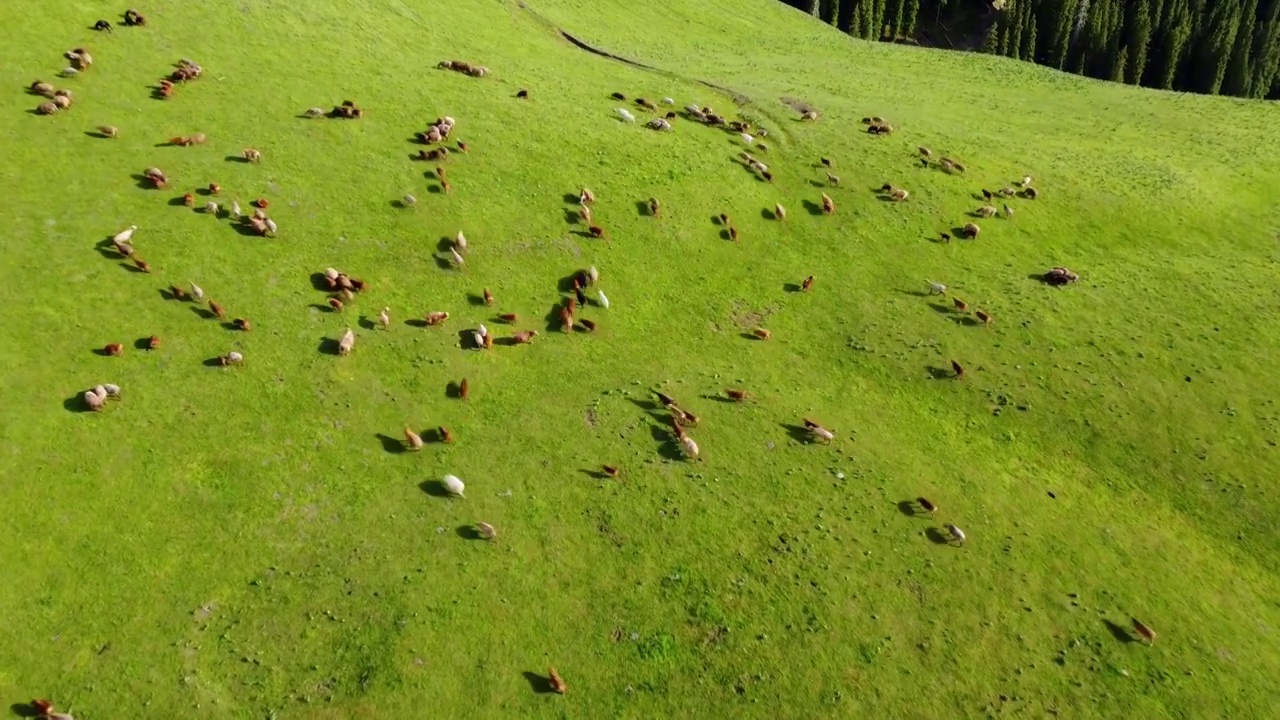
(1227,47)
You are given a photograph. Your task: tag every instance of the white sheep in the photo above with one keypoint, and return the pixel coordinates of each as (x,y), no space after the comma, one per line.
(410,200)
(690,447)
(94,402)
(747,139)
(271,226)
(668,101)
(626,114)
(659,124)
(384,318)
(347,342)
(197,292)
(235,357)
(454,485)
(937,288)
(460,242)
(487,531)
(482,331)
(124,236)
(604,301)
(1008,211)
(315,112)
(112,390)
(956,533)
(457,259)
(593,274)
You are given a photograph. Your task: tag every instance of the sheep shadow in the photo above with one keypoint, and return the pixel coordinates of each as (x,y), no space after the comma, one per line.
(939,373)
(417,323)
(367,323)
(202,313)
(445,244)
(1119,632)
(668,446)
(24,710)
(475,300)
(937,240)
(390,444)
(76,404)
(323,308)
(130,267)
(97,134)
(750,336)
(400,204)
(908,508)
(101,352)
(327,346)
(177,201)
(937,537)
(143,182)
(469,532)
(434,488)
(539,684)
(467,339)
(319,282)
(812,207)
(594,474)
(443,263)
(453,390)
(552,318)
(236,159)
(571,198)
(816,183)
(966,321)
(245,229)
(799,433)
(572,217)
(107,249)
(914,293)
(791,287)
(768,214)
(213,362)
(642,209)
(505,342)
(940,308)
(726,235)
(142,343)
(721,399)
(721,220)
(646,405)
(958,233)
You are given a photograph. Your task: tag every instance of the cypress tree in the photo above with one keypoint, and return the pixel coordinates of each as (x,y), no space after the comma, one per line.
(1017,19)
(827,11)
(1173,39)
(1060,41)
(1122,59)
(893,18)
(844,16)
(1266,53)
(877,19)
(910,13)
(1239,69)
(1138,40)
(1214,50)
(1029,41)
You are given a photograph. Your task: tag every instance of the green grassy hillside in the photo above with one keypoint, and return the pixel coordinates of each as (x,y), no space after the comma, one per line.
(249,542)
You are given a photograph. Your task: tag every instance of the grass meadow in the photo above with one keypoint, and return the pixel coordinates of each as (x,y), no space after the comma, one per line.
(251,542)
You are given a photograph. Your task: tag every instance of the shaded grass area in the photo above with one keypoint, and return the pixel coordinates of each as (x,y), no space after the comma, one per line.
(241,541)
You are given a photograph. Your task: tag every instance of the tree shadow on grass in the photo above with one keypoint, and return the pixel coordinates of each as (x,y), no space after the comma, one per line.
(540,684)
(937,537)
(435,488)
(390,444)
(469,532)
(1119,632)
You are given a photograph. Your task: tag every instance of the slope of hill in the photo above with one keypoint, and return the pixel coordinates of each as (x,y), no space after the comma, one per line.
(251,542)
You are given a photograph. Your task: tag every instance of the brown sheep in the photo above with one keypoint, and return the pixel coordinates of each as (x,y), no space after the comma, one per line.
(733,233)
(46,108)
(566,320)
(141,264)
(113,349)
(611,470)
(984,317)
(525,336)
(762,334)
(214,188)
(779,212)
(971,230)
(464,389)
(736,395)
(596,231)
(557,683)
(436,318)
(958,368)
(217,310)
(242,324)
(335,304)
(510,318)
(177,293)
(961,306)
(587,325)
(444,434)
(413,441)
(153,342)
(189,200)
(807,284)
(1142,629)
(488,297)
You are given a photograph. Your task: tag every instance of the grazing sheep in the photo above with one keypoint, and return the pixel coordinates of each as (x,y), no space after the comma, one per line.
(1060,276)
(189,200)
(666,400)
(1030,193)
(596,231)
(252,155)
(103,25)
(46,108)
(819,431)
(971,230)
(1142,629)
(314,112)
(409,200)
(457,259)
(746,139)
(94,401)
(593,275)
(509,318)
(600,298)
(828,205)
(833,179)
(587,325)
(242,324)
(961,306)
(937,288)
(335,303)
(958,368)
(807,284)
(984,317)
(566,320)
(231,358)
(487,531)
(618,96)
(762,333)
(809,115)
(986,194)
(928,507)
(444,434)
(646,104)
(584,214)
(985,211)
(1026,181)
(586,197)
(525,336)
(454,486)
(153,342)
(625,114)
(779,212)
(112,390)
(412,440)
(270,227)
(733,233)
(125,235)
(261,204)
(436,318)
(654,206)
(736,395)
(690,447)
(1008,211)
(924,151)
(658,124)
(141,264)
(464,389)
(522,93)
(177,292)
(557,683)
(211,208)
(113,349)
(217,310)
(898,195)
(41,88)
(347,342)
(946,237)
